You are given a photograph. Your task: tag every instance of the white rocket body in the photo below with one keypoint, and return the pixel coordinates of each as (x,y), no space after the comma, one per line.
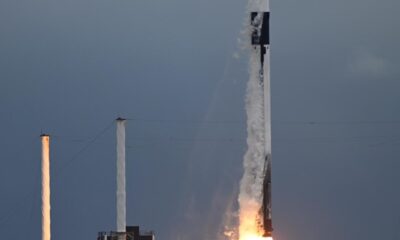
(260,41)
(267,100)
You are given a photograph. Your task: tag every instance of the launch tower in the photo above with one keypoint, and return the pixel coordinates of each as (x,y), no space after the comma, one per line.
(123,232)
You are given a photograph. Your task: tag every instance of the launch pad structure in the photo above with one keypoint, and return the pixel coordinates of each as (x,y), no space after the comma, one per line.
(131,233)
(123,232)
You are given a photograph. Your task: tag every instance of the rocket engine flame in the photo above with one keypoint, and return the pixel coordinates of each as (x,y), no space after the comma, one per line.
(251,237)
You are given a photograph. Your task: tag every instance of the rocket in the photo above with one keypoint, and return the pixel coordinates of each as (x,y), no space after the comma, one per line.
(259,23)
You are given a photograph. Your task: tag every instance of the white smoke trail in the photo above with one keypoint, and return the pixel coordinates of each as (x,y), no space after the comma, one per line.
(251,184)
(46,232)
(257,5)
(250,195)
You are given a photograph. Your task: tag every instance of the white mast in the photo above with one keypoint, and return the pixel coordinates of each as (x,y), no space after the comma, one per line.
(46,232)
(121,194)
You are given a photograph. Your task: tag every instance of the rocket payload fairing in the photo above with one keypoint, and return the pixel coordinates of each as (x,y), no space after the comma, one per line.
(259,17)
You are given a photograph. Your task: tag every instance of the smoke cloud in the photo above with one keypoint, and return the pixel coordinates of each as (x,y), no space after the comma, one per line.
(258,117)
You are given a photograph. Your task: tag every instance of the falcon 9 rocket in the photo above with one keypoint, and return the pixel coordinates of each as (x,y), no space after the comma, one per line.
(259,17)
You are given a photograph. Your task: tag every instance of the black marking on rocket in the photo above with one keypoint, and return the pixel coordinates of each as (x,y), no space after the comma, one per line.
(266,204)
(260,31)
(260,37)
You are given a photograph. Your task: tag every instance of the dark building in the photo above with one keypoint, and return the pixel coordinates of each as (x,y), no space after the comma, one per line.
(132,233)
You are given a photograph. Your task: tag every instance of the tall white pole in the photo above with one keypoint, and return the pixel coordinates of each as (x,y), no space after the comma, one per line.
(46,232)
(121,194)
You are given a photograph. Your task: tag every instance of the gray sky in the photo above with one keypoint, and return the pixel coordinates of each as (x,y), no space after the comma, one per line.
(70,67)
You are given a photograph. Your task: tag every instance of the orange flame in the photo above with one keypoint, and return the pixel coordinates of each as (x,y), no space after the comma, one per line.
(255,237)
(249,227)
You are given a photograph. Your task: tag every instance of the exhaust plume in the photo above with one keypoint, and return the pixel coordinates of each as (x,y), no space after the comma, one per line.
(251,185)
(255,186)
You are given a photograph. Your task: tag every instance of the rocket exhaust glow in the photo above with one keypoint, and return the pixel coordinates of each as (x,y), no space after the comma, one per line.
(121,194)
(46,231)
